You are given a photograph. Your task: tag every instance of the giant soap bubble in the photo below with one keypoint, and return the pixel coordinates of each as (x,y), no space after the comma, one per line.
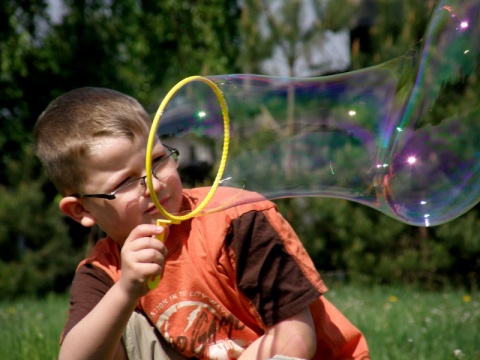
(402,137)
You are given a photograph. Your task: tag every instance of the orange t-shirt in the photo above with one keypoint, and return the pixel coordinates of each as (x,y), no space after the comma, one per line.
(229,275)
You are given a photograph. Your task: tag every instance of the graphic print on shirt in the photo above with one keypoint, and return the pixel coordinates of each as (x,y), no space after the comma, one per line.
(196,325)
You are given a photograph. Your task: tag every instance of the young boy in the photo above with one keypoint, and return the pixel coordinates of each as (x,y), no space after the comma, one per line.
(236,284)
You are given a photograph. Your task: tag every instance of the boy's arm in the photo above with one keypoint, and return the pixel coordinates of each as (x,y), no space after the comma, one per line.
(294,337)
(98,335)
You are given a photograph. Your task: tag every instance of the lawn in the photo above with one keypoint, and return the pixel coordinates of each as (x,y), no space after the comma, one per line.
(30,328)
(404,323)
(399,323)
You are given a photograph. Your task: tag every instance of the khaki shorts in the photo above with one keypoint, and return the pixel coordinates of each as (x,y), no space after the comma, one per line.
(143,342)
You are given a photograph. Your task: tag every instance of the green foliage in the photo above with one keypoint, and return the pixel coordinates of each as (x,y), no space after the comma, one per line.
(36,252)
(182,38)
(396,28)
(348,239)
(462,240)
(143,48)
(139,48)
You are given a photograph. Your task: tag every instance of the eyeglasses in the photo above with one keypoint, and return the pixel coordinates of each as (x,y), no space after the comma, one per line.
(162,167)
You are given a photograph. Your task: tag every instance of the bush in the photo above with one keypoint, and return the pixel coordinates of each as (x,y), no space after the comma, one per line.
(37,254)
(348,239)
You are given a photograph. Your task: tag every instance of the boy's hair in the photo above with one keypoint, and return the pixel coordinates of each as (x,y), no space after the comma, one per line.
(74,122)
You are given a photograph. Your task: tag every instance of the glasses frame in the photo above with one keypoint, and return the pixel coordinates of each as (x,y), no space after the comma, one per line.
(111,195)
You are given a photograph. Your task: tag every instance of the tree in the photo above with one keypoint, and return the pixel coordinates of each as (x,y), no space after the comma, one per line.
(295,32)
(185,38)
(143,48)
(386,32)
(34,244)
(135,47)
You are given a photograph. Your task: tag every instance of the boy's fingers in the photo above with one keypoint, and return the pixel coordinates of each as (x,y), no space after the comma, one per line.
(146,245)
(151,256)
(151,272)
(145,230)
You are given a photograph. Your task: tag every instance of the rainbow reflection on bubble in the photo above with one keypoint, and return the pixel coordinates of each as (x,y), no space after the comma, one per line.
(402,137)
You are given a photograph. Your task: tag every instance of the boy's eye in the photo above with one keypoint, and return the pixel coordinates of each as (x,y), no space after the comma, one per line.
(123,184)
(157,162)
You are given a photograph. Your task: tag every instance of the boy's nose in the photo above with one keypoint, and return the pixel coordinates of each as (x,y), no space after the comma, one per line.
(157,185)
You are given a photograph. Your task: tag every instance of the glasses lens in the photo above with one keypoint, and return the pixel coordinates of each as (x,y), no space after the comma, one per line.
(166,165)
(133,185)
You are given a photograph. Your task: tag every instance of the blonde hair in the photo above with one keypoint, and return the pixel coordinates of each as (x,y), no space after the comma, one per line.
(74,122)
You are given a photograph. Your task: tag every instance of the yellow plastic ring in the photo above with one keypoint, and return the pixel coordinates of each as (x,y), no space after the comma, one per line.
(151,143)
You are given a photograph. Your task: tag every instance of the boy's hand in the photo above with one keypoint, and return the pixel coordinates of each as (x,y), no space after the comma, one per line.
(143,256)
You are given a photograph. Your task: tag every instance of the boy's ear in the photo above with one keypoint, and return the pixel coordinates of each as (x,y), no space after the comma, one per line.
(72,207)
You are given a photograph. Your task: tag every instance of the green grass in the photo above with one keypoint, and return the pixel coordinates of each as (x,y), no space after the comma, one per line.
(399,323)
(403,323)
(30,329)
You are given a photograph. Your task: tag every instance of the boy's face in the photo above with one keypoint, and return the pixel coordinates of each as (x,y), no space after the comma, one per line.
(115,161)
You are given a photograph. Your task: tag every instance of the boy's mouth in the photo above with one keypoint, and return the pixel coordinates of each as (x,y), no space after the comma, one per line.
(153,209)
(164,202)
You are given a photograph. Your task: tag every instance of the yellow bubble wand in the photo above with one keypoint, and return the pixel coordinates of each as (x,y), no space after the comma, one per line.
(171,218)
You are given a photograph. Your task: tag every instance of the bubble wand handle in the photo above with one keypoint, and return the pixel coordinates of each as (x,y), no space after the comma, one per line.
(153,282)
